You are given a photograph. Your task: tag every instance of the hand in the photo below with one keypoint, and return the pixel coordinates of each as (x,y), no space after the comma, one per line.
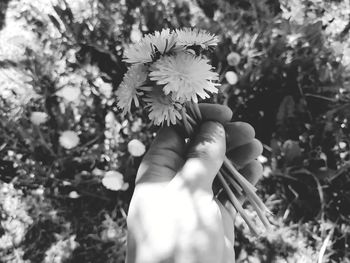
(173,215)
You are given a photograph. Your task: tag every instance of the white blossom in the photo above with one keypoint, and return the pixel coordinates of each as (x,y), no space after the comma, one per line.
(69,139)
(114,181)
(184,76)
(38,117)
(130,88)
(233,59)
(231,77)
(136,148)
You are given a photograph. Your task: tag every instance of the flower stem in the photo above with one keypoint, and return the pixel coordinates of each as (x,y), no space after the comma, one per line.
(237,204)
(191,120)
(235,185)
(188,127)
(247,187)
(197,110)
(192,112)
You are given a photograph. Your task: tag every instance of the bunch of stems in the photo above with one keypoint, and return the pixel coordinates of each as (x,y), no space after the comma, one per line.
(228,175)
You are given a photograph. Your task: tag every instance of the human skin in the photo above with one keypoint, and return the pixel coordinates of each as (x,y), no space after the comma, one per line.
(173,215)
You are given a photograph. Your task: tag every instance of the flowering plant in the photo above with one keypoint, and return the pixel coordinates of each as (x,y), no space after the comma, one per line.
(168,75)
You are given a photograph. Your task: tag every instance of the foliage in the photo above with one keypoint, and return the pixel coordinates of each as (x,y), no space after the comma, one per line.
(288,76)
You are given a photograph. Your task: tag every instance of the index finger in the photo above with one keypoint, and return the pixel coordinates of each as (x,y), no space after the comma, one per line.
(215,112)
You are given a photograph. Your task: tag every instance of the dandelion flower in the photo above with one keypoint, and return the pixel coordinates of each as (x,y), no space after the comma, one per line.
(114,181)
(97,172)
(163,41)
(136,148)
(135,34)
(140,52)
(39,191)
(125,186)
(129,89)
(69,93)
(74,195)
(152,44)
(109,234)
(162,108)
(38,117)
(69,139)
(104,87)
(262,159)
(233,59)
(231,77)
(184,76)
(191,37)
(342,145)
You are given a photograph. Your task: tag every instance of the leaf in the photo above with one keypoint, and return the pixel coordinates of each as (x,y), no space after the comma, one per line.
(68,12)
(285,110)
(65,15)
(291,150)
(275,147)
(300,171)
(3,146)
(55,22)
(59,11)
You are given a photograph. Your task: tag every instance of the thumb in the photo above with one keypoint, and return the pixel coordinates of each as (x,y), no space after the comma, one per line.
(205,156)
(163,159)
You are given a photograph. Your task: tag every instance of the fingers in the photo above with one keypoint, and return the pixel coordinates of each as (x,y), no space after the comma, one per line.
(244,154)
(215,112)
(252,171)
(238,133)
(243,149)
(205,156)
(163,159)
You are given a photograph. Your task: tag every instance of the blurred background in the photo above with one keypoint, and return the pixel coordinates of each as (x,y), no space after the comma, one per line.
(68,159)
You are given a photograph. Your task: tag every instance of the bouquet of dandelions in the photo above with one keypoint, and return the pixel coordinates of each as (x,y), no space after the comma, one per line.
(168,73)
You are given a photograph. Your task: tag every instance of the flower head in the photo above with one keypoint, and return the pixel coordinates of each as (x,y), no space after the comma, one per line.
(114,181)
(69,139)
(184,76)
(162,108)
(191,37)
(149,46)
(104,88)
(38,117)
(233,59)
(69,93)
(140,52)
(74,195)
(231,77)
(129,89)
(136,148)
(163,41)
